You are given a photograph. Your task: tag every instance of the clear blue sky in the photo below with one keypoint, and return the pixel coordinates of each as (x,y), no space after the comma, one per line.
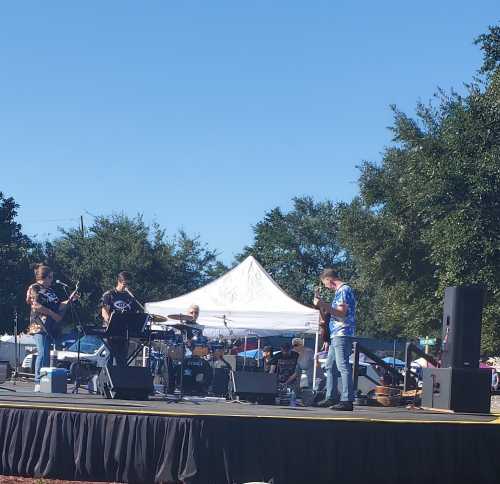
(203,115)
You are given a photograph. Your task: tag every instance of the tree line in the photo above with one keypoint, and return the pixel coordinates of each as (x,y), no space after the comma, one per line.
(427,216)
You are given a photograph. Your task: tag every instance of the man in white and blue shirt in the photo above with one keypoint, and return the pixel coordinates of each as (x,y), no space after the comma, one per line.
(342,327)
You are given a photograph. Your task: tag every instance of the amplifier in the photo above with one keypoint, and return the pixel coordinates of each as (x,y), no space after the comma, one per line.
(254,387)
(4,371)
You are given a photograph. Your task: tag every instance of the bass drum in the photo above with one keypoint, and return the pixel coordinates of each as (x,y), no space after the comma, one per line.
(197,376)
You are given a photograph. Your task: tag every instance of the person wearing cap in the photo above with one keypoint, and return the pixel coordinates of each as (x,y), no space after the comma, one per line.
(305,360)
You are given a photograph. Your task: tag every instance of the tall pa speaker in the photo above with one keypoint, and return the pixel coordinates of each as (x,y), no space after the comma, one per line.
(127,383)
(462,313)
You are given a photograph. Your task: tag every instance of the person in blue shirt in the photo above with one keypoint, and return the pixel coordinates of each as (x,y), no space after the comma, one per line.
(341,328)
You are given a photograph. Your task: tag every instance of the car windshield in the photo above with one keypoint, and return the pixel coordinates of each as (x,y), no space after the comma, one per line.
(88,344)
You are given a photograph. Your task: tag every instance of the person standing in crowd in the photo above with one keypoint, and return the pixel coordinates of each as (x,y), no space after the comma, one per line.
(46,312)
(284,363)
(118,300)
(267,356)
(342,328)
(305,361)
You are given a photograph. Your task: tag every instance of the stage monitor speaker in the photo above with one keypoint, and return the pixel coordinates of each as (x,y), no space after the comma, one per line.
(127,383)
(457,389)
(4,371)
(462,313)
(254,386)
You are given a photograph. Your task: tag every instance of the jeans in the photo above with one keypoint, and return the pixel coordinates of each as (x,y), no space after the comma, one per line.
(42,341)
(337,363)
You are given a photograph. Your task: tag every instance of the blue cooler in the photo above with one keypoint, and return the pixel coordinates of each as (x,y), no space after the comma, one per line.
(53,380)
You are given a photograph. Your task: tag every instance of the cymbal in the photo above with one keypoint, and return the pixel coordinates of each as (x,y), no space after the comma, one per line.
(157,318)
(184,326)
(181,317)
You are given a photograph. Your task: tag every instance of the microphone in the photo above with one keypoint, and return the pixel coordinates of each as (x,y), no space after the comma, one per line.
(129,292)
(61,283)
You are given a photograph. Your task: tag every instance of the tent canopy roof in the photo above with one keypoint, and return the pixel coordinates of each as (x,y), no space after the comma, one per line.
(248,298)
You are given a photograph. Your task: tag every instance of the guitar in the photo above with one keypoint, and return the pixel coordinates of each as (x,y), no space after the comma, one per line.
(46,298)
(324,317)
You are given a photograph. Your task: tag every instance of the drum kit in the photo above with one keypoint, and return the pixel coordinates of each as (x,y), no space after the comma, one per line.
(177,355)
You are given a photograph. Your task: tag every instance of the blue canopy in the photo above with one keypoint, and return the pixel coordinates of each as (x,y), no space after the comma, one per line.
(251,354)
(394,361)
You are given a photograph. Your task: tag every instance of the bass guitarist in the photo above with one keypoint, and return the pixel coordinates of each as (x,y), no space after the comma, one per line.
(46,311)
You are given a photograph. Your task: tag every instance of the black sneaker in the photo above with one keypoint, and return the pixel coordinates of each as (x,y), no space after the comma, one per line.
(342,406)
(328,402)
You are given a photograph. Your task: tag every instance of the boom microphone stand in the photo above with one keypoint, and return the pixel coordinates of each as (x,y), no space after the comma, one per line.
(15,373)
(75,319)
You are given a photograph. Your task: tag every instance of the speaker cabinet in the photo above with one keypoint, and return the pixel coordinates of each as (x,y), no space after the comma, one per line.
(127,383)
(220,382)
(458,389)
(254,386)
(462,313)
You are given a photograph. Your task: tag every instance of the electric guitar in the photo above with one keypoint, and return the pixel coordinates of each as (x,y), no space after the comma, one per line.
(324,317)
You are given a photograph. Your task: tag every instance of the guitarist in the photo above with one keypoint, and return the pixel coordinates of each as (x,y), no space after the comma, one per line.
(341,329)
(46,311)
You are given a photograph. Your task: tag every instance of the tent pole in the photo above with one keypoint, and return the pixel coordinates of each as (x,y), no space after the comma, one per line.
(316,341)
(245,353)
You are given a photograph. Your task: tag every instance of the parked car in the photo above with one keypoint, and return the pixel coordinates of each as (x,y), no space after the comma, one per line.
(93,355)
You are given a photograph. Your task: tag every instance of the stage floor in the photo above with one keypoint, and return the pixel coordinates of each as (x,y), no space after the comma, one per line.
(211,441)
(24,397)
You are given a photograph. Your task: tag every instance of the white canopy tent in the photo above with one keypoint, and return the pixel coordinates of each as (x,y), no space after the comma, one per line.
(248,300)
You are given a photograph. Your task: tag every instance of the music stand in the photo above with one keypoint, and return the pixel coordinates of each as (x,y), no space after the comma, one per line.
(127,325)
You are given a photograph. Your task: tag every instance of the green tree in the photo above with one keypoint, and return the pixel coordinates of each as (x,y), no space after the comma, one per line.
(295,246)
(161,267)
(428,216)
(15,274)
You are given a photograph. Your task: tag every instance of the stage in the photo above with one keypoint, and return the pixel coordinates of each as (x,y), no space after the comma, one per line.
(84,437)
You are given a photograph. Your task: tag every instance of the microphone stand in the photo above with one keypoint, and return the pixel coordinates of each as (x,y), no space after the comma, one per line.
(80,334)
(15,373)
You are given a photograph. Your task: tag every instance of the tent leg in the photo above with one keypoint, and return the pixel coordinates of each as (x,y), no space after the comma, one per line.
(316,341)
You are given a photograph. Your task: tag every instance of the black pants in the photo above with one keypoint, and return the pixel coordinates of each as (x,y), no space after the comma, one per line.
(118,352)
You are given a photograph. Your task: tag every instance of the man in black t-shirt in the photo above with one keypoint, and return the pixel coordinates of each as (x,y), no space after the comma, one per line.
(121,301)
(284,363)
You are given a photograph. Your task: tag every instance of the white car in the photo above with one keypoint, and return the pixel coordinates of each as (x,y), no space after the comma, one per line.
(93,355)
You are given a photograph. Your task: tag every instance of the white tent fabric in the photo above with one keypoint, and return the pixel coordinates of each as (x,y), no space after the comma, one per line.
(250,300)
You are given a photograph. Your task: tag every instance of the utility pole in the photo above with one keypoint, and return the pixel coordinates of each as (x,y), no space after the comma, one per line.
(81,226)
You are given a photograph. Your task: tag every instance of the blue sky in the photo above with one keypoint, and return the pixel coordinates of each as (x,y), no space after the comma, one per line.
(203,115)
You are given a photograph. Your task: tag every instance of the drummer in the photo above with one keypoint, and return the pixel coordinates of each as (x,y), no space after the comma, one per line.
(196,330)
